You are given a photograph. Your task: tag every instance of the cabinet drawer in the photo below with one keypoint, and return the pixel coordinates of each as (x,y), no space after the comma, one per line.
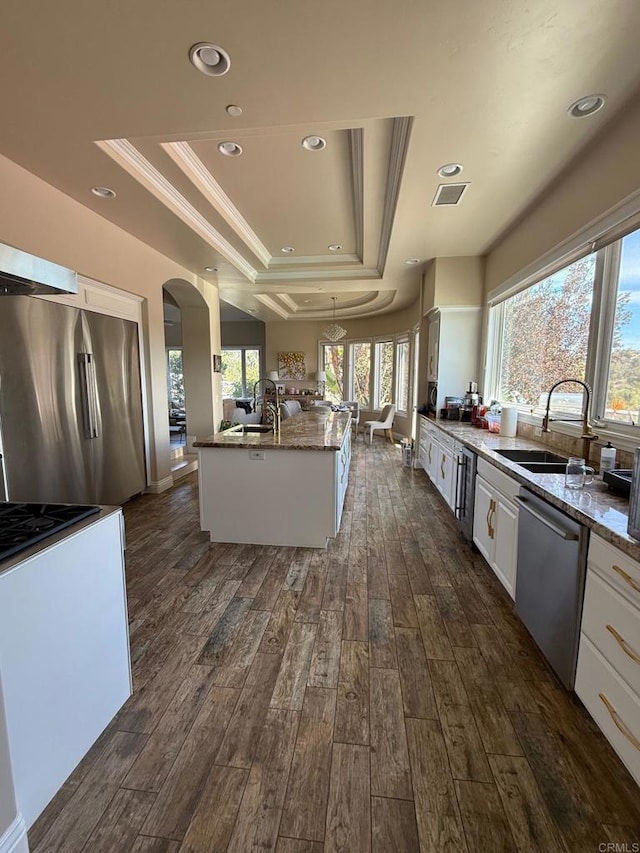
(622,572)
(612,705)
(613,626)
(444,439)
(502,482)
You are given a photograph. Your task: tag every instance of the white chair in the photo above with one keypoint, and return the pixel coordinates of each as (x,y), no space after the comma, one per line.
(355,413)
(386,423)
(293,406)
(240,416)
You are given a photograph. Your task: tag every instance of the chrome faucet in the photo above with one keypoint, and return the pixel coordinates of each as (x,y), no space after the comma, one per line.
(273,408)
(587,435)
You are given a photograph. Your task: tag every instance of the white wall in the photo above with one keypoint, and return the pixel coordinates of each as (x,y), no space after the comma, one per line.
(8,810)
(40,219)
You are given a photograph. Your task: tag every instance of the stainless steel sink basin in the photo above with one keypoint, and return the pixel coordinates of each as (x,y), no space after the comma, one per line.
(523,457)
(536,461)
(243,429)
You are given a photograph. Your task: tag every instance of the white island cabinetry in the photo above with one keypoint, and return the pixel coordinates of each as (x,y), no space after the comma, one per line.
(285,489)
(64,653)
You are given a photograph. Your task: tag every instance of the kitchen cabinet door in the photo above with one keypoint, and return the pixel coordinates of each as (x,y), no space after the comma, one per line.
(433,346)
(484,510)
(506,543)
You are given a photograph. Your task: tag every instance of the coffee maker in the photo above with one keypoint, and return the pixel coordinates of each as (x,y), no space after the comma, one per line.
(470,404)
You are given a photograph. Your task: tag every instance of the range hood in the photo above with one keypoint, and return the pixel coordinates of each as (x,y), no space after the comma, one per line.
(23,274)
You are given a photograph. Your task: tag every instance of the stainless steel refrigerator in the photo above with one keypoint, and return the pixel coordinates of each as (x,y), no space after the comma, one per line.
(71,428)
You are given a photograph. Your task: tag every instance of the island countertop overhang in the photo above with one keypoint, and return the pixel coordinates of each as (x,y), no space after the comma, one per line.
(303,431)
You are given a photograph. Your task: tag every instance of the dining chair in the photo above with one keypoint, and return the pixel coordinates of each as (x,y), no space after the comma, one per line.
(385,423)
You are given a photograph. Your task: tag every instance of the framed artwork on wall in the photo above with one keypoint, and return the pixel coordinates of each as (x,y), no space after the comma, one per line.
(291,365)
(280,388)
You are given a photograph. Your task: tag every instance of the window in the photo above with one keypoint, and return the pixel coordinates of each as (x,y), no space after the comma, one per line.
(402,376)
(240,370)
(360,372)
(582,322)
(622,402)
(545,337)
(175,379)
(383,374)
(333,366)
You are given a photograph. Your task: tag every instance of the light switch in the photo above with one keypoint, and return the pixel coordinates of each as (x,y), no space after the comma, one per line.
(256,454)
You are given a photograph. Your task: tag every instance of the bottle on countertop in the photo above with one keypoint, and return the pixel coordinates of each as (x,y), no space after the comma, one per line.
(607,458)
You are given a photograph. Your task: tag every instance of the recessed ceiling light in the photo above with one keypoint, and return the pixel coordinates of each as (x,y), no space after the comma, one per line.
(230,149)
(103,192)
(210,59)
(321,290)
(334,247)
(211,269)
(287,250)
(586,106)
(234,110)
(412,261)
(307,301)
(314,143)
(449,170)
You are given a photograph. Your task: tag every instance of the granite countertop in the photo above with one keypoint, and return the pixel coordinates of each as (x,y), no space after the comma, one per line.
(594,506)
(302,431)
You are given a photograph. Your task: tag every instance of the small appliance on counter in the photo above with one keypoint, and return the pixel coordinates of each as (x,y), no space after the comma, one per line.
(452,408)
(619,481)
(432,399)
(470,403)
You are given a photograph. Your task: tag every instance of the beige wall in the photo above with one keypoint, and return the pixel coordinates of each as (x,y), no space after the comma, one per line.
(40,219)
(606,173)
(453,281)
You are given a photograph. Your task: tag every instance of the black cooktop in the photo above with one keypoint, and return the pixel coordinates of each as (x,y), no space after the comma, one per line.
(22,525)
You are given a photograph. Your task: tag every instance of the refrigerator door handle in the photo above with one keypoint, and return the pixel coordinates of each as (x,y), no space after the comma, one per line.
(89,396)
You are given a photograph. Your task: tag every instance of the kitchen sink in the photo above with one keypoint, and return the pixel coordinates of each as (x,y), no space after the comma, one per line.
(544,467)
(242,429)
(532,456)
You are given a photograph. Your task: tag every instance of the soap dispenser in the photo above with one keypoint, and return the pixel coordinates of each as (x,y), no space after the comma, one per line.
(607,458)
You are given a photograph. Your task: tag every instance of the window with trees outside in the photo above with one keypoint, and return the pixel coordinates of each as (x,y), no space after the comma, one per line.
(175,379)
(402,376)
(240,370)
(581,322)
(383,374)
(360,372)
(333,366)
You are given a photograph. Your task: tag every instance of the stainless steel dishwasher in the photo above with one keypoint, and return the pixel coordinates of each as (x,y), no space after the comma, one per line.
(552,559)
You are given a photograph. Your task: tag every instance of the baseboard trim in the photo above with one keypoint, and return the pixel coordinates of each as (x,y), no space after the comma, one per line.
(14,839)
(156,487)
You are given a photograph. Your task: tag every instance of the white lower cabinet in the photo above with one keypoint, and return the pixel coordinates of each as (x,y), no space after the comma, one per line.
(495,522)
(608,675)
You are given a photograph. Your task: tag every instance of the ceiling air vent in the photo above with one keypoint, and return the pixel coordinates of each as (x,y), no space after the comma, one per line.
(448,194)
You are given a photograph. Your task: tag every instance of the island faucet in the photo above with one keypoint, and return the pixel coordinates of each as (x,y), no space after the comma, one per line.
(587,435)
(273,408)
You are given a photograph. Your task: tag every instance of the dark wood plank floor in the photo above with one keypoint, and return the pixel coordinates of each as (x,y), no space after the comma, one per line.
(377,696)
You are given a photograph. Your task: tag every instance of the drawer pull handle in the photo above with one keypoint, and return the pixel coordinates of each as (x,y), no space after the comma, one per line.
(627,577)
(623,644)
(618,722)
(442,461)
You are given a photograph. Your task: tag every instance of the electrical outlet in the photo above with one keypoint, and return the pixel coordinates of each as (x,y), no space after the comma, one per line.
(256,454)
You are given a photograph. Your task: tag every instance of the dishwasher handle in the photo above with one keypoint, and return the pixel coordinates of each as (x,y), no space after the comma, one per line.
(567,535)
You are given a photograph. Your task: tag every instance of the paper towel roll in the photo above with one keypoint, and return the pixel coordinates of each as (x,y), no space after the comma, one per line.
(509,421)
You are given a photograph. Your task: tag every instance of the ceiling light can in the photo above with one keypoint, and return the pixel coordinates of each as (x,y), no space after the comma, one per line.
(234,110)
(450,170)
(103,192)
(314,143)
(412,261)
(334,247)
(209,59)
(287,250)
(586,106)
(230,149)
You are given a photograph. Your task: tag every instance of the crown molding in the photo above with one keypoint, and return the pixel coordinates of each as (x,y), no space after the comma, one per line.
(133,162)
(192,166)
(317,275)
(288,301)
(303,260)
(356,144)
(399,145)
(272,305)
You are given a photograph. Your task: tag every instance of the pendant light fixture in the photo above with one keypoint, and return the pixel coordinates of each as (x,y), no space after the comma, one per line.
(333,332)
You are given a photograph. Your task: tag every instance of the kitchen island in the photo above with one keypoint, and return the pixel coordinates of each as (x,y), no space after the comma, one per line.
(276,489)
(64,652)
